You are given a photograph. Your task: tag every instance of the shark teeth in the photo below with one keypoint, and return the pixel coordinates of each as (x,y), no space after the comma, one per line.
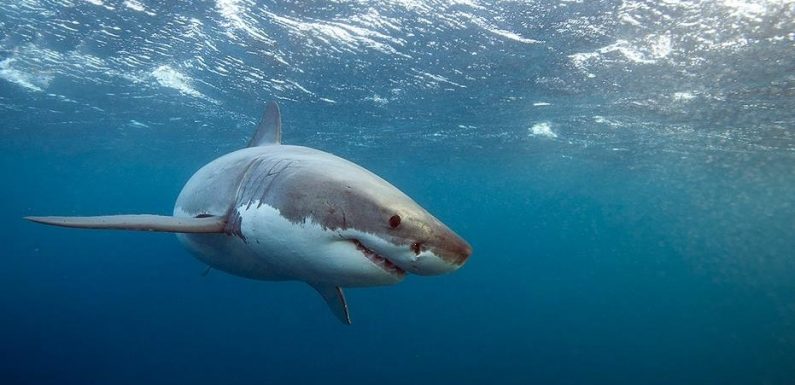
(380,261)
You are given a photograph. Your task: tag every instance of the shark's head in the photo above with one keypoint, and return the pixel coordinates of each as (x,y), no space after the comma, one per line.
(377,220)
(405,234)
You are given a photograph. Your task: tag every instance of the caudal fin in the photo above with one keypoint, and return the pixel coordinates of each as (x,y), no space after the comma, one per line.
(143,222)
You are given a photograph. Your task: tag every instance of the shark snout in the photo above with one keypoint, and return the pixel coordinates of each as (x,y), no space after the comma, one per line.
(453,249)
(446,253)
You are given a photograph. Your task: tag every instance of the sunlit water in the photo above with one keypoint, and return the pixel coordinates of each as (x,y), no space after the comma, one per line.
(623,170)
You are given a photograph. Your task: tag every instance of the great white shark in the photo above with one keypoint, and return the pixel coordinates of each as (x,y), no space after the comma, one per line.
(280,212)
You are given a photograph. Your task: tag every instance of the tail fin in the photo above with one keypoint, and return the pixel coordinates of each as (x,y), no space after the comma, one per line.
(209,224)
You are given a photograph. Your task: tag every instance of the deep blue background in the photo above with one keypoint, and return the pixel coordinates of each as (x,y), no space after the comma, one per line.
(650,241)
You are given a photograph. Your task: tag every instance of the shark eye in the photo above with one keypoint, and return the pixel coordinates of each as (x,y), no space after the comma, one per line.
(394,221)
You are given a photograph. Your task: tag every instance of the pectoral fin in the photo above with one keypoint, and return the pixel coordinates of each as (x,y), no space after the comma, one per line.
(335,299)
(210,224)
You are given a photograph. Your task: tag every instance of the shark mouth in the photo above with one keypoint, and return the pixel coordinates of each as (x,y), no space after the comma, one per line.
(378,260)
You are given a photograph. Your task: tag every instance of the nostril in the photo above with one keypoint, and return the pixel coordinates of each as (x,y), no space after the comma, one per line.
(416,247)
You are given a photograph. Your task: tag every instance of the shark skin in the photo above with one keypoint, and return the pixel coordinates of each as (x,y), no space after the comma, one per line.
(277,212)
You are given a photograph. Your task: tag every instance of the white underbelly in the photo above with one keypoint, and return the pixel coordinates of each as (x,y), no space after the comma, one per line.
(306,251)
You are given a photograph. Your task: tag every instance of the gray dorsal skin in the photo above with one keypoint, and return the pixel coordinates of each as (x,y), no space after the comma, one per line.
(143,222)
(335,299)
(269,129)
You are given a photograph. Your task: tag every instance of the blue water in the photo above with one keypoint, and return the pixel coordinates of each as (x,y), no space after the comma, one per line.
(623,170)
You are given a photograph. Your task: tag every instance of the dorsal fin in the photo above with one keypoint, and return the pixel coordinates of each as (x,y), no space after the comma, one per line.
(269,129)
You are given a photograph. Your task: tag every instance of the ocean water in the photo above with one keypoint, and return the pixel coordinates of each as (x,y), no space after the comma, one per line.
(624,170)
